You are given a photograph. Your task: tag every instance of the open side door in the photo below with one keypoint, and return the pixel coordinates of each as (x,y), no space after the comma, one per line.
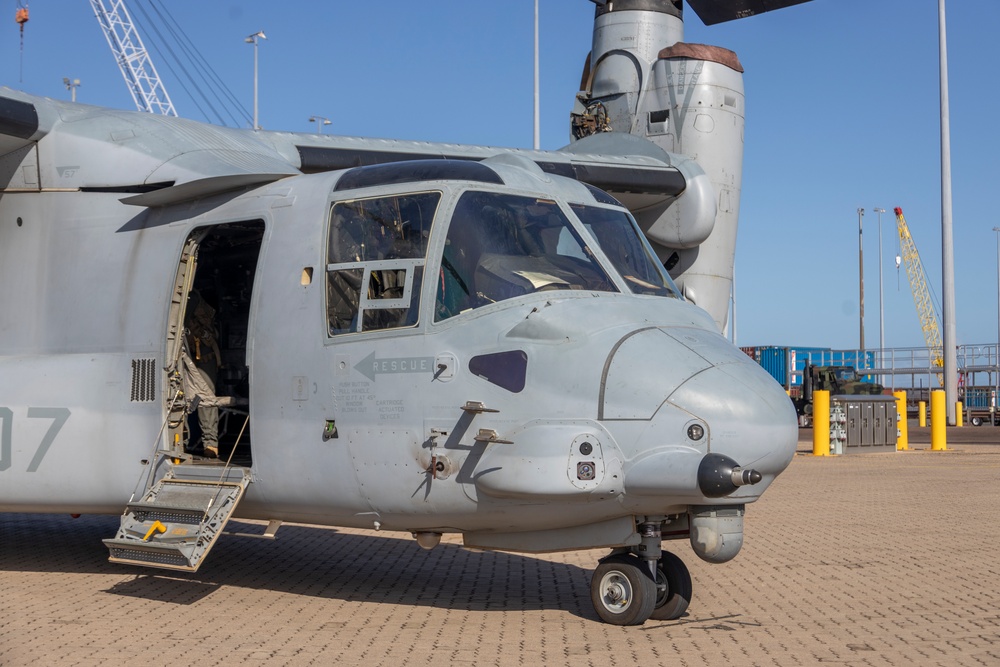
(182,513)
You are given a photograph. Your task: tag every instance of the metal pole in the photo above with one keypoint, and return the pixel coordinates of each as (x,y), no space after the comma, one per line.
(861,279)
(996,358)
(256,125)
(71,86)
(881,300)
(947,240)
(252,39)
(537,141)
(320,122)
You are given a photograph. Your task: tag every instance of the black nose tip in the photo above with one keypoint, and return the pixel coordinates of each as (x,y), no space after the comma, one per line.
(719,475)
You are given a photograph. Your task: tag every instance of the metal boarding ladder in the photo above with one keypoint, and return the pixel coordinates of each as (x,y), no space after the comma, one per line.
(177,522)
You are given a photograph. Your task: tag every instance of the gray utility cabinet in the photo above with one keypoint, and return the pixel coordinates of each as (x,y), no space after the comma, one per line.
(865,423)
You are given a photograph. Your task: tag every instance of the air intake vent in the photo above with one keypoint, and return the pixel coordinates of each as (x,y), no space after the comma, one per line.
(143,380)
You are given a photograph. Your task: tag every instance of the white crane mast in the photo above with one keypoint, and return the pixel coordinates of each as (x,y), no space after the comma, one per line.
(133,59)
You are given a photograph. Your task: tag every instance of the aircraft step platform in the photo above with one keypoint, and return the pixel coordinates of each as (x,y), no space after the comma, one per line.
(177,522)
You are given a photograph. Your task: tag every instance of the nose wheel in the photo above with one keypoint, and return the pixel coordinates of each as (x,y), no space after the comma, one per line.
(624,593)
(673,588)
(622,590)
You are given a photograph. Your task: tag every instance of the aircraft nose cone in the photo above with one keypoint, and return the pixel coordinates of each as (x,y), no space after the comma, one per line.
(671,376)
(643,369)
(750,418)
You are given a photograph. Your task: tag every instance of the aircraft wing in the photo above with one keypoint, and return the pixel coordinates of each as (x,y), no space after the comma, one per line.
(642,176)
(622,167)
(718,11)
(47,144)
(159,161)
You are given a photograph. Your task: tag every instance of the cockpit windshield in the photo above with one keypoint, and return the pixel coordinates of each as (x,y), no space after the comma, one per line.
(501,246)
(847,375)
(619,237)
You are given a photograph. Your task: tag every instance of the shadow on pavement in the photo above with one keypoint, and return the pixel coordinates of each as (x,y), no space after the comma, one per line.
(318,562)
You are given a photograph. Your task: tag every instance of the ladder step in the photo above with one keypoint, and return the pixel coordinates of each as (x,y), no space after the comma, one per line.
(164,554)
(178,520)
(143,513)
(211,472)
(157,509)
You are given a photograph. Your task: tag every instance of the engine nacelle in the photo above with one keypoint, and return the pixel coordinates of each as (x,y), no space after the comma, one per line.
(687,99)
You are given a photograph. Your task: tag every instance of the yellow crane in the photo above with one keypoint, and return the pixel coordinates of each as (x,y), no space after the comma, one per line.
(921,294)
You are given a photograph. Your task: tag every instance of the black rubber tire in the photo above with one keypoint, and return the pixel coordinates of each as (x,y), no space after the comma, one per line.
(622,590)
(976,421)
(673,588)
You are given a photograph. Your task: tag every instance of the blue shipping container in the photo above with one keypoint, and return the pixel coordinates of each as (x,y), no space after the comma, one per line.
(785,364)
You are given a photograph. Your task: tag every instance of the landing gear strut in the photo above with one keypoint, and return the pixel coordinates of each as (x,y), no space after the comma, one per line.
(627,589)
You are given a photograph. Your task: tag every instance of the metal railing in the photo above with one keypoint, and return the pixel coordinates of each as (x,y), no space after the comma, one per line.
(907,367)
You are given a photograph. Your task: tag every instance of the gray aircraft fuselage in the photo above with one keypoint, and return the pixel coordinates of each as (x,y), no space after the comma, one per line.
(408,336)
(86,287)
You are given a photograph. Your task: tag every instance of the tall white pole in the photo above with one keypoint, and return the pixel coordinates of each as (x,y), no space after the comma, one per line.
(881,299)
(71,86)
(252,39)
(861,285)
(256,124)
(537,142)
(996,359)
(950,352)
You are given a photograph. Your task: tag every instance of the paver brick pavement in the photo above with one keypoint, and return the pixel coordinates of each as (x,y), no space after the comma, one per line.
(861,560)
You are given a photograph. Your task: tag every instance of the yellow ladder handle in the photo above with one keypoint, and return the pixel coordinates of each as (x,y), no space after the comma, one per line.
(157,527)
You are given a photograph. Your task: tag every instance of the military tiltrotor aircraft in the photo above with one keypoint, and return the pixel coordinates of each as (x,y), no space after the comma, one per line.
(406,336)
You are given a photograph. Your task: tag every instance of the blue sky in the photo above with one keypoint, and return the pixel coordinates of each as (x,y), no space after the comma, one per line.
(842,112)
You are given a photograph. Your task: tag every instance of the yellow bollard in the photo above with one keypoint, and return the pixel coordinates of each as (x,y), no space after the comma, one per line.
(922,414)
(821,423)
(959,421)
(903,439)
(939,421)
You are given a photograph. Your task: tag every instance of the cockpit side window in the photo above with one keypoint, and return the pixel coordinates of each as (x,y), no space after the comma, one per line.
(375,261)
(501,246)
(619,237)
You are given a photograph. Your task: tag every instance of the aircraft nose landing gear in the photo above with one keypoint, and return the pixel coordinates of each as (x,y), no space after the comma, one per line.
(622,590)
(627,589)
(673,588)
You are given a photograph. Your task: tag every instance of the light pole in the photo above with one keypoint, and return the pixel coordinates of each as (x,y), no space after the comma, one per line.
(537,138)
(71,86)
(996,360)
(861,278)
(252,39)
(320,122)
(949,334)
(881,299)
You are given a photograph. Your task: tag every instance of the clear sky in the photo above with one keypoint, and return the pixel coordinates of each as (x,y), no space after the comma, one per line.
(842,113)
